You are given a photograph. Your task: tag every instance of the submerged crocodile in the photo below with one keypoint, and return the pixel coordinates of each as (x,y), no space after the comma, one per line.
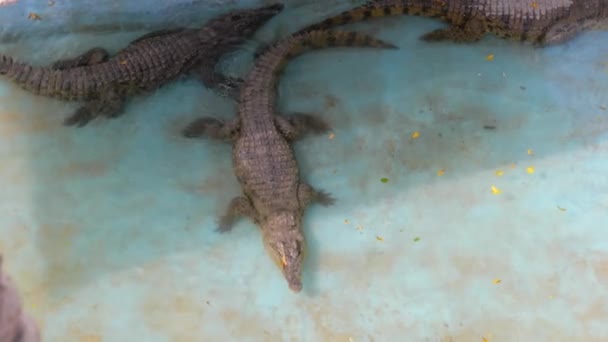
(105,83)
(541,22)
(274,195)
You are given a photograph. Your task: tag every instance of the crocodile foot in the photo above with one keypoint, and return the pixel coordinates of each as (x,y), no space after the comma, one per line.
(211,128)
(110,105)
(93,56)
(239,206)
(297,125)
(230,87)
(307,195)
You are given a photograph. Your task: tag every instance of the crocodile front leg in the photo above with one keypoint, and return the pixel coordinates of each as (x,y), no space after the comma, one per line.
(212,128)
(297,125)
(238,207)
(469,32)
(223,85)
(307,195)
(91,57)
(110,105)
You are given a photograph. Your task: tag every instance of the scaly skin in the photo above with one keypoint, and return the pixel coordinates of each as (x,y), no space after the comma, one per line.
(105,83)
(274,196)
(541,22)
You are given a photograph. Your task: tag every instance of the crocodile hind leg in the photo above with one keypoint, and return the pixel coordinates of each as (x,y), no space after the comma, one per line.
(212,128)
(223,85)
(307,195)
(564,31)
(111,105)
(471,31)
(93,56)
(238,207)
(297,125)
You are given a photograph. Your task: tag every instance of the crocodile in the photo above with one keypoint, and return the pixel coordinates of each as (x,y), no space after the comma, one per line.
(539,22)
(274,195)
(104,83)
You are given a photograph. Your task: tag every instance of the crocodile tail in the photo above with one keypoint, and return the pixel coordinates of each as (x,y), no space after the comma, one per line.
(276,57)
(320,39)
(37,80)
(361,13)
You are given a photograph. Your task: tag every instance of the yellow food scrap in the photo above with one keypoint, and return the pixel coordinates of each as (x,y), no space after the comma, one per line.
(379,238)
(530,152)
(490,57)
(500,173)
(33,16)
(495,190)
(483,339)
(416,135)
(534,5)
(530,169)
(561,209)
(497,281)
(331,136)
(441,172)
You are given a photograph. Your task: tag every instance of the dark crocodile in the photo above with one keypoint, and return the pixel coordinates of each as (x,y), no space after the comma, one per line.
(105,83)
(540,22)
(274,195)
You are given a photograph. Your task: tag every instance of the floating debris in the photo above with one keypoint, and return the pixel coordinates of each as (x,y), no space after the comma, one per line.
(530,169)
(561,209)
(441,172)
(603,108)
(346,221)
(51,3)
(384,180)
(379,238)
(495,190)
(530,152)
(497,281)
(417,238)
(331,136)
(513,165)
(33,16)
(416,135)
(490,57)
(499,173)
(359,228)
(489,127)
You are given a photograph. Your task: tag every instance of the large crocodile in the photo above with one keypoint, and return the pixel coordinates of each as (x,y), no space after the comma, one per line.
(541,22)
(105,83)
(274,195)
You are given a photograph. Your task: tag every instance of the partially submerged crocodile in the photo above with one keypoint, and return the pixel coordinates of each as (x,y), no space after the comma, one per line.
(105,83)
(274,195)
(541,22)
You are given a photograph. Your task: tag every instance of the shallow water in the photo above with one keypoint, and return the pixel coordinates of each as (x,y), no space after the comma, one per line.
(108,229)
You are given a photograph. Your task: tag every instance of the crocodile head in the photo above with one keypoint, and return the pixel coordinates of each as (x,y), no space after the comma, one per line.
(237,26)
(285,243)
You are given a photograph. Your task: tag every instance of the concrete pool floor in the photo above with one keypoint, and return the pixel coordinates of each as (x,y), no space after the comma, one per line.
(471,193)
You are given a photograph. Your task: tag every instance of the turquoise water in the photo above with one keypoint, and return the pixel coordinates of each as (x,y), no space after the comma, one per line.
(108,229)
